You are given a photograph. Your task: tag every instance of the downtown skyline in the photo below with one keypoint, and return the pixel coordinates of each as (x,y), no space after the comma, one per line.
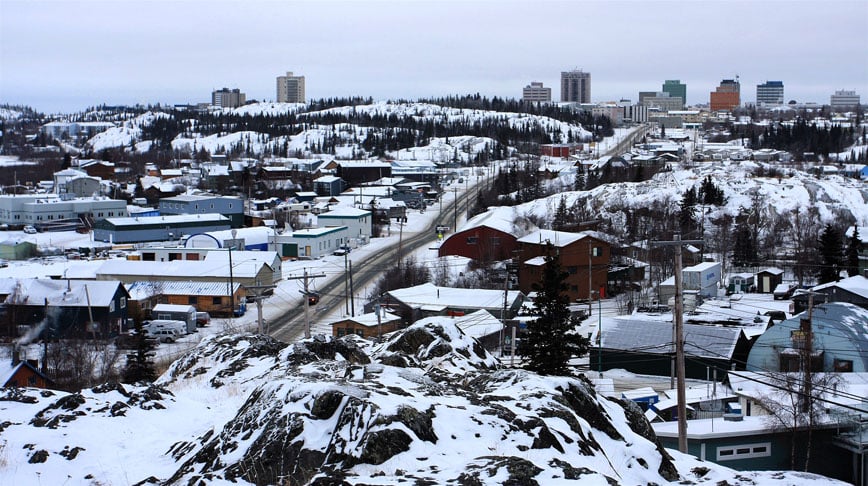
(179,52)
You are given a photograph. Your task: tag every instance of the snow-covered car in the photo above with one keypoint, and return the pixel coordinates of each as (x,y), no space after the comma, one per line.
(29,229)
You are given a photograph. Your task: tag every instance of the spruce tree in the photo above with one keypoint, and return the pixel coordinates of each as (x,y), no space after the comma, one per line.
(559,223)
(549,342)
(140,362)
(830,255)
(852,252)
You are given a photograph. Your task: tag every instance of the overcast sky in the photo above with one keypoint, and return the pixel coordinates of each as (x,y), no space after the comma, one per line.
(63,56)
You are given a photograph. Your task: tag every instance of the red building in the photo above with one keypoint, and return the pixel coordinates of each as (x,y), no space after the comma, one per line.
(559,149)
(726,97)
(584,256)
(487,237)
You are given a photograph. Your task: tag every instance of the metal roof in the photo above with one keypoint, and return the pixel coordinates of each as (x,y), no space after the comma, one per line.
(656,337)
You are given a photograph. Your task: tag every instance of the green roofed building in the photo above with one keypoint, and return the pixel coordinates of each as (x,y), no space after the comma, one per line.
(157,228)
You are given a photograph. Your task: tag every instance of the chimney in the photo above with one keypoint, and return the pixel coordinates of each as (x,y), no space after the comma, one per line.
(16,355)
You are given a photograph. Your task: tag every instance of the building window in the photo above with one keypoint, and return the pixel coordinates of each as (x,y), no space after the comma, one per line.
(123,302)
(191,299)
(216,300)
(744,451)
(471,240)
(843,365)
(597,251)
(494,240)
(112,306)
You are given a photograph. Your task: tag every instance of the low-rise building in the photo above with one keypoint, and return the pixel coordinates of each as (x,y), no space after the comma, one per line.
(584,256)
(231,207)
(44,209)
(369,325)
(157,228)
(309,243)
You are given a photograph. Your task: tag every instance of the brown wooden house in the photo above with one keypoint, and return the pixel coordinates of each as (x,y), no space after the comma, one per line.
(584,256)
(23,373)
(366,325)
(486,237)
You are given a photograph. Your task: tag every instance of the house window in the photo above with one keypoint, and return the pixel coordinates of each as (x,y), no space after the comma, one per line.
(744,451)
(112,306)
(843,365)
(216,300)
(471,240)
(123,302)
(494,240)
(597,251)
(191,299)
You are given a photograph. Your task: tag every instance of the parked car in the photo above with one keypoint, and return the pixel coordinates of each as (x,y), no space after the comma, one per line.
(29,229)
(340,252)
(203,319)
(163,335)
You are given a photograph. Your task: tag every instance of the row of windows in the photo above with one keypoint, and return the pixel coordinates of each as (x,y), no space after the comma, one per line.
(745,451)
(349,330)
(493,241)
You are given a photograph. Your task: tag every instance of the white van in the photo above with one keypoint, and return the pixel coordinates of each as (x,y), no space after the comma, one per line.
(178,327)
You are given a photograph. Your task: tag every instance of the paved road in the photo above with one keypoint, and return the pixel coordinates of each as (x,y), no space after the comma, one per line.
(624,145)
(289,327)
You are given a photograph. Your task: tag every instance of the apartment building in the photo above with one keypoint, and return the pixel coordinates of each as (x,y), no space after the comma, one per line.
(290,88)
(536,93)
(770,93)
(228,98)
(575,86)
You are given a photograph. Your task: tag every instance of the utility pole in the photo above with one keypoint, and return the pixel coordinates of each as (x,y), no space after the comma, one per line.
(455,202)
(678,317)
(346,282)
(306,303)
(258,291)
(352,292)
(807,354)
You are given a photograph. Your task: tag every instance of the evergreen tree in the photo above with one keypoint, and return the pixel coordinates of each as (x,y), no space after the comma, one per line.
(852,252)
(580,179)
(744,250)
(559,223)
(830,255)
(687,214)
(549,342)
(140,362)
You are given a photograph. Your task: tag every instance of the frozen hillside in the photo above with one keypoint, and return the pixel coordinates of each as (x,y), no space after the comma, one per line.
(427,406)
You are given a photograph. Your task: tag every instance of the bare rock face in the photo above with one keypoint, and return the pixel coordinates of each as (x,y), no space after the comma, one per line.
(338,411)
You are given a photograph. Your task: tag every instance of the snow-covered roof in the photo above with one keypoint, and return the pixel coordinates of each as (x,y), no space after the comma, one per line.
(430,294)
(370,319)
(145,289)
(174,308)
(176,268)
(327,179)
(60,293)
(501,218)
(856,284)
(772,270)
(479,324)
(344,212)
(656,337)
(701,267)
(558,239)
(167,219)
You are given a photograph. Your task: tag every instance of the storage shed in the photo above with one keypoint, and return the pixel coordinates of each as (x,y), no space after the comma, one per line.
(174,312)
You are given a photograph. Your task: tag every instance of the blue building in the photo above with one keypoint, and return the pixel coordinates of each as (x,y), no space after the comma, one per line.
(231,207)
(157,228)
(839,343)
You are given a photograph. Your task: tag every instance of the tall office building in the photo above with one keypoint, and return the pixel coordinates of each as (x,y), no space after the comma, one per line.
(770,93)
(576,86)
(844,99)
(290,89)
(228,98)
(660,100)
(727,96)
(536,93)
(676,89)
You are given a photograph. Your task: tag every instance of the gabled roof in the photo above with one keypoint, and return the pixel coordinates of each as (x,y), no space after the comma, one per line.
(560,239)
(856,284)
(61,293)
(429,294)
(655,337)
(145,289)
(370,319)
(501,218)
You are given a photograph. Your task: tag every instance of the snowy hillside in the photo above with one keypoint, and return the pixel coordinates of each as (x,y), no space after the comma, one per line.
(9,114)
(833,196)
(121,136)
(348,135)
(427,406)
(421,111)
